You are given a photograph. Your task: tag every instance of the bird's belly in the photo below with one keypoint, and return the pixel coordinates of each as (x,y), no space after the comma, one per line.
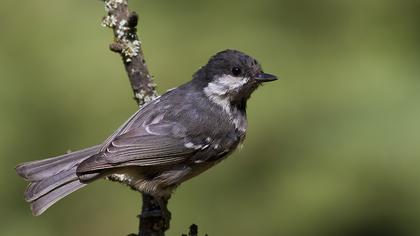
(162,180)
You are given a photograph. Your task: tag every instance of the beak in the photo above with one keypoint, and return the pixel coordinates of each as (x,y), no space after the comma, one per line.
(264,77)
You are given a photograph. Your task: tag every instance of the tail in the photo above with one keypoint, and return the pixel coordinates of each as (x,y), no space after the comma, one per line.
(52,179)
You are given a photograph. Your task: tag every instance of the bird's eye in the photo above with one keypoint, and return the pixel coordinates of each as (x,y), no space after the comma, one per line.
(236,71)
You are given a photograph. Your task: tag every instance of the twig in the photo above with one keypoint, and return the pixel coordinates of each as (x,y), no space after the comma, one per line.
(126,43)
(193,231)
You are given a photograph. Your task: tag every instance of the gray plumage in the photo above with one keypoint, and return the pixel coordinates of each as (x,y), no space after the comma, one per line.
(52,179)
(169,140)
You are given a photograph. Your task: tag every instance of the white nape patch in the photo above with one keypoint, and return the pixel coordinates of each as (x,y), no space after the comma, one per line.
(217,92)
(192,145)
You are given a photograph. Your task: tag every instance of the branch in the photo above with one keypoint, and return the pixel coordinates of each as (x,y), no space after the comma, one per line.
(126,43)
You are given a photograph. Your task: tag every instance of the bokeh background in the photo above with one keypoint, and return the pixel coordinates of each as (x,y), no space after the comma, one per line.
(332,148)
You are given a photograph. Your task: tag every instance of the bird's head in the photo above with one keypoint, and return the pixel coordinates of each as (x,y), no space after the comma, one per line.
(231,76)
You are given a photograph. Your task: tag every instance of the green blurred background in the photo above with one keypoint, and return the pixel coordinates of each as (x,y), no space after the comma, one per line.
(332,148)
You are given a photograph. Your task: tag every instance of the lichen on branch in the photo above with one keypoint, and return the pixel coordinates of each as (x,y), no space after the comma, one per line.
(127,44)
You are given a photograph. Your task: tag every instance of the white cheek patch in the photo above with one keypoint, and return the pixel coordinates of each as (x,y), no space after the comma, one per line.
(218,92)
(225,84)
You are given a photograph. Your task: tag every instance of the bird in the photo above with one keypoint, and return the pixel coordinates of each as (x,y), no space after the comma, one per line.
(169,140)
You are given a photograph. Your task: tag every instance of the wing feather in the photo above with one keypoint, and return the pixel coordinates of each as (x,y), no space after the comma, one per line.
(146,139)
(140,148)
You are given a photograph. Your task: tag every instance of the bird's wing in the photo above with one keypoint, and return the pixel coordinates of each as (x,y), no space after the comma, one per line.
(150,145)
(137,118)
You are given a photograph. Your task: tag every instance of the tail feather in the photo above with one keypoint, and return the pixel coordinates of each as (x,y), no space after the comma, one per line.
(38,170)
(52,179)
(40,188)
(44,202)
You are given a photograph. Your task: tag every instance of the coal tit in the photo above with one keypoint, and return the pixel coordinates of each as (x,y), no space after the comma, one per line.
(171,139)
